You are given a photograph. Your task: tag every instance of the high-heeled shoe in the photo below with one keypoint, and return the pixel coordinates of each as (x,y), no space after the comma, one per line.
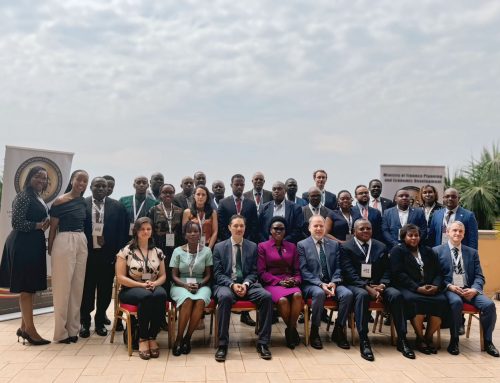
(20,334)
(35,342)
(186,346)
(177,349)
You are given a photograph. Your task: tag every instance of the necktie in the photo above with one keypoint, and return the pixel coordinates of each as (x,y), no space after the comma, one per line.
(457,264)
(322,260)
(257,198)
(375,203)
(238,205)
(365,248)
(448,216)
(239,268)
(365,213)
(100,238)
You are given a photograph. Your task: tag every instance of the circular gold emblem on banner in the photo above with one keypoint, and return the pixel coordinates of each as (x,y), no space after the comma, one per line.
(54,176)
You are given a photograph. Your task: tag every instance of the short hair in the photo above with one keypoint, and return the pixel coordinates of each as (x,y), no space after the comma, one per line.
(237,216)
(134,244)
(276,218)
(359,221)
(237,176)
(357,187)
(433,189)
(108,178)
(320,171)
(374,180)
(459,223)
(32,172)
(406,228)
(316,216)
(343,191)
(172,186)
(189,225)
(97,178)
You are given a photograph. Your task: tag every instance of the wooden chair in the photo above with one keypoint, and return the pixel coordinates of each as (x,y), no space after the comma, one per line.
(378,307)
(472,311)
(238,307)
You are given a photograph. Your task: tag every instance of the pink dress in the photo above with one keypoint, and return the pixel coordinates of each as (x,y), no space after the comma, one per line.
(274,267)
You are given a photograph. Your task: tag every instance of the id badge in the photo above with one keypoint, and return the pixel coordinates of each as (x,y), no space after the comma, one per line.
(399,234)
(131,230)
(366,270)
(444,238)
(458,280)
(348,237)
(97,229)
(202,240)
(170,240)
(191,280)
(146,276)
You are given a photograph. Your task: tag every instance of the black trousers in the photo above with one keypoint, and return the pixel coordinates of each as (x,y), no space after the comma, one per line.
(98,278)
(150,308)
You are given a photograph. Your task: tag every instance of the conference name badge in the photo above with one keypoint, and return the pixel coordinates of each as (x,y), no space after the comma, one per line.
(458,280)
(170,240)
(131,229)
(190,280)
(366,270)
(97,229)
(146,276)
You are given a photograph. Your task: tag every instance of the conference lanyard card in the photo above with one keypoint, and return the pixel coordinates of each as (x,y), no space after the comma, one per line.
(97,229)
(131,230)
(170,240)
(458,280)
(191,280)
(348,237)
(366,270)
(146,276)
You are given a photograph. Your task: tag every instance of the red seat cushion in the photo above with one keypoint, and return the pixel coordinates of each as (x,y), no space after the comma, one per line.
(329,303)
(470,308)
(129,308)
(374,305)
(211,305)
(244,305)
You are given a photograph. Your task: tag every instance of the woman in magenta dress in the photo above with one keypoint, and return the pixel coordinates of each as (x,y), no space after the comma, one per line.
(278,267)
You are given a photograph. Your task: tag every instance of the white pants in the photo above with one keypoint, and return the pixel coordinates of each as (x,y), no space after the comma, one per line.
(69,260)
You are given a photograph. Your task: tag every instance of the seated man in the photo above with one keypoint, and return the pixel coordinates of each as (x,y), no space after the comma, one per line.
(319,259)
(366,271)
(235,278)
(464,280)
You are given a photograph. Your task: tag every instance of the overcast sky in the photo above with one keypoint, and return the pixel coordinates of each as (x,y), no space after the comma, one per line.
(132,87)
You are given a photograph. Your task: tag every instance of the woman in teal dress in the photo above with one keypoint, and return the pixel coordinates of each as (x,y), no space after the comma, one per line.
(191,274)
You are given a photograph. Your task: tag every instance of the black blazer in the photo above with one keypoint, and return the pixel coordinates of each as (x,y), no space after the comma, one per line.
(330,199)
(352,257)
(116,227)
(266,196)
(294,221)
(386,203)
(181,201)
(406,271)
(227,208)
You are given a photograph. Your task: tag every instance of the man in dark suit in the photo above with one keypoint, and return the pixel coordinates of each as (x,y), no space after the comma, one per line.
(235,278)
(258,194)
(314,207)
(218,190)
(328,199)
(376,201)
(291,188)
(366,271)
(184,199)
(453,212)
(106,230)
(463,281)
(396,217)
(286,209)
(238,204)
(155,183)
(366,211)
(110,180)
(319,259)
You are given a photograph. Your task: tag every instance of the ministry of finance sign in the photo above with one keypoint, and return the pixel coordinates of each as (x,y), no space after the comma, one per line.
(412,178)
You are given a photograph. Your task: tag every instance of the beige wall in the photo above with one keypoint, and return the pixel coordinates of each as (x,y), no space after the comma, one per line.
(489,254)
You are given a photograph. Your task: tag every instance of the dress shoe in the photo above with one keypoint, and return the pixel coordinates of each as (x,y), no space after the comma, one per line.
(405,349)
(366,350)
(290,343)
(491,349)
(221,353)
(453,347)
(107,321)
(177,349)
(73,339)
(84,331)
(20,334)
(119,326)
(421,346)
(186,346)
(314,339)
(338,336)
(264,351)
(295,336)
(101,330)
(247,319)
(34,342)
(65,341)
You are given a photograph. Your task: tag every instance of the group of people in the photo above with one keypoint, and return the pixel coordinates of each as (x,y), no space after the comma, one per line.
(269,247)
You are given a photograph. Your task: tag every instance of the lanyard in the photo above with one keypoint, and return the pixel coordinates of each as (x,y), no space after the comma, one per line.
(145,259)
(428,211)
(349,220)
(201,220)
(193,259)
(215,203)
(456,260)
(169,216)
(368,252)
(312,211)
(100,211)
(136,212)
(43,203)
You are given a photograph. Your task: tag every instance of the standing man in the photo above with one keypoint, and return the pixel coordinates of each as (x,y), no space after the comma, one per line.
(396,217)
(218,190)
(328,199)
(286,209)
(258,194)
(366,211)
(184,199)
(464,280)
(235,278)
(366,271)
(291,192)
(314,207)
(107,232)
(199,178)
(137,205)
(376,201)
(319,259)
(155,183)
(453,212)
(111,184)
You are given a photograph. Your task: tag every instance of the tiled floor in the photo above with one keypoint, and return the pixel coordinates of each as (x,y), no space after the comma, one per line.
(95,360)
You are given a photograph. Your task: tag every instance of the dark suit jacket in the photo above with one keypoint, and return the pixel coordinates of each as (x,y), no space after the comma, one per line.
(352,257)
(265,197)
(375,219)
(227,208)
(386,203)
(463,215)
(310,266)
(472,266)
(406,271)
(391,225)
(181,201)
(330,199)
(116,227)
(223,262)
(293,217)
(323,211)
